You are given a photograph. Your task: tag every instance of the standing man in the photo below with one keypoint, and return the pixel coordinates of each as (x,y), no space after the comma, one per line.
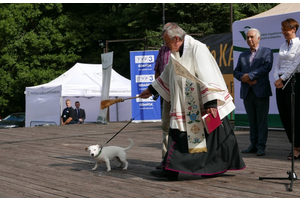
(160,63)
(80,113)
(68,115)
(252,70)
(190,149)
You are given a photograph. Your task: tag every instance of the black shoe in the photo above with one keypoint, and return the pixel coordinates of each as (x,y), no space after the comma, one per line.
(250,149)
(171,176)
(260,152)
(209,176)
(289,157)
(160,166)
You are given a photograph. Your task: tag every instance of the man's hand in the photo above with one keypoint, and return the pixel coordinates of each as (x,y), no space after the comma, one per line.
(245,78)
(252,82)
(145,94)
(213,111)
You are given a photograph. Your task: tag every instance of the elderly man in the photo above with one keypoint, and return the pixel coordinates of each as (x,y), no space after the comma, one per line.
(160,63)
(190,148)
(252,70)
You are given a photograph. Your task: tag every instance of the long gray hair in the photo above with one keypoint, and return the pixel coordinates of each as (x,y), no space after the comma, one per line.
(173,29)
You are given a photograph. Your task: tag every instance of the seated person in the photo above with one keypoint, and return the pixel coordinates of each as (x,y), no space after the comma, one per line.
(68,115)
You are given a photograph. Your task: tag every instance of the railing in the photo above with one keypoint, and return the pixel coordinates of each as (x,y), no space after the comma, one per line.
(42,123)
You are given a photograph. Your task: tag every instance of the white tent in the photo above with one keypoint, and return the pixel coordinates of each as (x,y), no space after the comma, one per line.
(269,25)
(283,8)
(44,103)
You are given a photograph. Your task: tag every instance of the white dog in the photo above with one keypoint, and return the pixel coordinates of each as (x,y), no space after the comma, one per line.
(108,154)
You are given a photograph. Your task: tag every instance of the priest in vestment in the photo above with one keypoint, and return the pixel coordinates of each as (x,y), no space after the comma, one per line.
(191,149)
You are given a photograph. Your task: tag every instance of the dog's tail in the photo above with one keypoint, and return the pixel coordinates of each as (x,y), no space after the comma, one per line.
(130,145)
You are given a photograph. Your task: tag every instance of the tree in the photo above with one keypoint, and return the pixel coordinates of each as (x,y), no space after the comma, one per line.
(39,41)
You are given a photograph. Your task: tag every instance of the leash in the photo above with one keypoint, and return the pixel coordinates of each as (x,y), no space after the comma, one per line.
(116,134)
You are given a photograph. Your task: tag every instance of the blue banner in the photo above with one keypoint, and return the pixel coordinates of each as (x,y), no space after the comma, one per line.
(142,75)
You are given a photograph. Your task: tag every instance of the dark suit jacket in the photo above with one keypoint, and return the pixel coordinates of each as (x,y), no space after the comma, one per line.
(81,114)
(258,70)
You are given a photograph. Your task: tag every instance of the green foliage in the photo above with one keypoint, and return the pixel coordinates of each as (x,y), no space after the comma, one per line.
(39,41)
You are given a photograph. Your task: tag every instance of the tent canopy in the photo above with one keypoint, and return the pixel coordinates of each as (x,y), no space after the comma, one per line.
(83,83)
(86,80)
(280,9)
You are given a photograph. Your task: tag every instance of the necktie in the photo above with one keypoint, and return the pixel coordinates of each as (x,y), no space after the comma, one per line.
(252,56)
(78,113)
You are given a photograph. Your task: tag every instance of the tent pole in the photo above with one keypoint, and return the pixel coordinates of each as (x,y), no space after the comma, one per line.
(117,111)
(231,16)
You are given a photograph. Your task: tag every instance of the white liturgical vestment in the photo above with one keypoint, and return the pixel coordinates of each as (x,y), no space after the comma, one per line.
(188,97)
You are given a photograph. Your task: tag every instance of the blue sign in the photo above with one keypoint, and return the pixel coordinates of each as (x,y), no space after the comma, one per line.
(142,75)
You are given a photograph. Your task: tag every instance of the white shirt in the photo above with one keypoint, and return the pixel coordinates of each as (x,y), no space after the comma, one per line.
(288,59)
(253,53)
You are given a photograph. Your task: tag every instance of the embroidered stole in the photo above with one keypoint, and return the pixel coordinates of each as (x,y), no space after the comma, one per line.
(195,129)
(194,126)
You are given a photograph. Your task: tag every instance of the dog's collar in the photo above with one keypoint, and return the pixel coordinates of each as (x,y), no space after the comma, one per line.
(99,153)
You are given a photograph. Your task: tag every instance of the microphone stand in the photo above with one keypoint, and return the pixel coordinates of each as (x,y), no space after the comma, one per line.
(291,174)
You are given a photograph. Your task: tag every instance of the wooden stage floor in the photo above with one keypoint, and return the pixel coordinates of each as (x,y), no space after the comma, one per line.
(51,162)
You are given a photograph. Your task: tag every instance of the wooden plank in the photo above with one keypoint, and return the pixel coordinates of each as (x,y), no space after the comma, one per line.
(51,162)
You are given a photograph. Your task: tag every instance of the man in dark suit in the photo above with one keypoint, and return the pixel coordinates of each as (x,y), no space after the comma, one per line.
(80,113)
(252,70)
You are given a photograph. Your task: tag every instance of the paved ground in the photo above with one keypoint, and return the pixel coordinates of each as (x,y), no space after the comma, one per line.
(51,162)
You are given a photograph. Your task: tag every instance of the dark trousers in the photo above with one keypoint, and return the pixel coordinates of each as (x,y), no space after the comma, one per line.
(257,111)
(73,122)
(283,98)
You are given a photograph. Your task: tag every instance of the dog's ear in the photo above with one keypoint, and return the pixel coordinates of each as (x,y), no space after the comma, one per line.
(86,148)
(98,146)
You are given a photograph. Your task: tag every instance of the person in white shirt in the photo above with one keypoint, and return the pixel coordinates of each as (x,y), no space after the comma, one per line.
(288,60)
